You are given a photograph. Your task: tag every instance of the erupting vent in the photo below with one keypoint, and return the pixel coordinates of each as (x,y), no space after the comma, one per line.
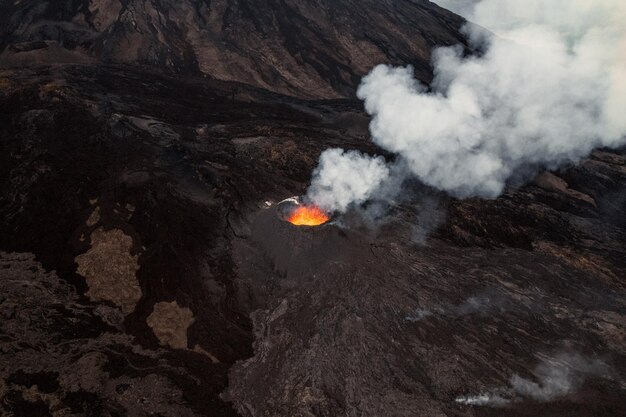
(308,216)
(300,214)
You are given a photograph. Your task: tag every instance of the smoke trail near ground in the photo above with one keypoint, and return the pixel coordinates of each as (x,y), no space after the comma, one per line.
(553,378)
(429,216)
(491,400)
(484,302)
(557,377)
(548,88)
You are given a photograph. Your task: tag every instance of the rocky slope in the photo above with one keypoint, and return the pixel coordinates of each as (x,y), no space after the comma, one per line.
(128,183)
(147,192)
(144,272)
(317,48)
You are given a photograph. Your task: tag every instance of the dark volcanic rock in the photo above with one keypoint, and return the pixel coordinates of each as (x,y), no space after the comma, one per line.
(129,184)
(317,48)
(147,193)
(66,360)
(362,324)
(144,270)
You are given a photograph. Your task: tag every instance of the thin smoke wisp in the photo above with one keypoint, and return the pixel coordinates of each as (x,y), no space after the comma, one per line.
(553,378)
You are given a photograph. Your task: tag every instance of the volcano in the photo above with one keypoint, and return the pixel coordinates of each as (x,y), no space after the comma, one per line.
(142,273)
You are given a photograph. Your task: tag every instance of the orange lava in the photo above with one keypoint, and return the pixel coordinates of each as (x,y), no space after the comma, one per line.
(308,216)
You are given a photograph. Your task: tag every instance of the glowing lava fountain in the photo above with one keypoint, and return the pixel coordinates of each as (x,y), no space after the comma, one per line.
(308,215)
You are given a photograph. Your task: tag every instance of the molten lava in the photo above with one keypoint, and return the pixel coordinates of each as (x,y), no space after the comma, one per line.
(304,215)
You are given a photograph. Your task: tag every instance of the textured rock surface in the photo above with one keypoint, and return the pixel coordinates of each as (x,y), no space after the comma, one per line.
(407,330)
(317,48)
(343,321)
(145,273)
(157,156)
(65,360)
(170,322)
(110,267)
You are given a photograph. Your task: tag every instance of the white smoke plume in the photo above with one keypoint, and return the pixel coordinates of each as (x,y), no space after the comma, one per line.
(345,177)
(549,87)
(553,378)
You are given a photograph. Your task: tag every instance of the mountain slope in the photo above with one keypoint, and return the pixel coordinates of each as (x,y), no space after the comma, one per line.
(317,48)
(110,169)
(144,270)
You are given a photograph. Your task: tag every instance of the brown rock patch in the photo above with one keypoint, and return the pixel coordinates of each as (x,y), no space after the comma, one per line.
(170,322)
(109,268)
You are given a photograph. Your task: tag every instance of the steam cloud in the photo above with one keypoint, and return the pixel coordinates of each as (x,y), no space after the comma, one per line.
(553,378)
(343,178)
(558,377)
(549,87)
